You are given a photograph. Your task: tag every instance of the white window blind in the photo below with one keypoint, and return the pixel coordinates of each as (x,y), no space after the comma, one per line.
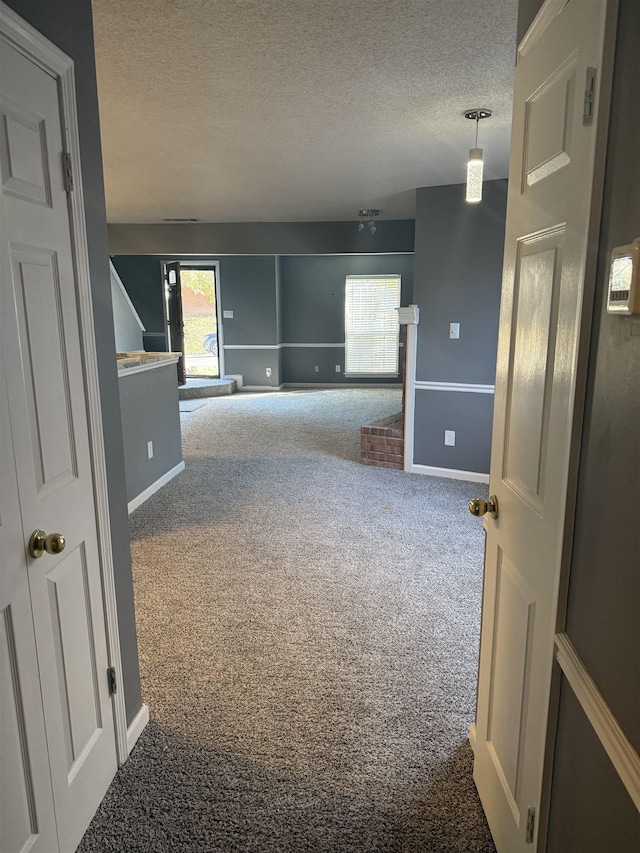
(371,324)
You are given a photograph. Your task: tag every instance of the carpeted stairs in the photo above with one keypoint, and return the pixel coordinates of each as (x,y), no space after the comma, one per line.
(308,632)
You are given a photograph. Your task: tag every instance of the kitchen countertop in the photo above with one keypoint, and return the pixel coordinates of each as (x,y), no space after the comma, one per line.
(135,362)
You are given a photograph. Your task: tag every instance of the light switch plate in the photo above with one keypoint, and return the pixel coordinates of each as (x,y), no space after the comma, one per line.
(454,331)
(227,315)
(450,437)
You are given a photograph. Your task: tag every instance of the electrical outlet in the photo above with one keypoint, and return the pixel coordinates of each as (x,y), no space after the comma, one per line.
(149,450)
(268,373)
(317,369)
(337,368)
(454,331)
(450,437)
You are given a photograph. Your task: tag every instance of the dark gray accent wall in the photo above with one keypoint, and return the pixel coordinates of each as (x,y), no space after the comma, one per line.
(252,364)
(274,300)
(527,10)
(260,238)
(150,412)
(604,584)
(248,288)
(312,292)
(299,365)
(469,415)
(458,279)
(591,810)
(69,25)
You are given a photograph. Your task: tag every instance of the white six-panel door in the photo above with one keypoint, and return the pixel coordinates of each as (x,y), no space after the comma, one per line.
(549,246)
(52,624)
(27,819)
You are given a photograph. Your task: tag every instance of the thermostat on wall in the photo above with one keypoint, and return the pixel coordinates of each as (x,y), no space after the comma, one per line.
(623,296)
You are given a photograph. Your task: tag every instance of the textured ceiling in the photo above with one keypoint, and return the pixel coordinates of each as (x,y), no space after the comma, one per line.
(295,110)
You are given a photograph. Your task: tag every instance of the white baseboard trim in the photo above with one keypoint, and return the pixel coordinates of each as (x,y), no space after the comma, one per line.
(137,727)
(450,473)
(614,741)
(472,736)
(262,387)
(150,490)
(464,387)
(312,385)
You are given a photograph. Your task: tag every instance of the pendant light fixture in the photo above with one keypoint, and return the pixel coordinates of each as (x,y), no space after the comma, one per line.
(475,165)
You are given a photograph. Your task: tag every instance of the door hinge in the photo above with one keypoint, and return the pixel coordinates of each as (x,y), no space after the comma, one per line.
(111,680)
(589,96)
(67,172)
(531,823)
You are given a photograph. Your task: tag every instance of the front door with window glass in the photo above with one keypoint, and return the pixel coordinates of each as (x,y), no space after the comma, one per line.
(192,319)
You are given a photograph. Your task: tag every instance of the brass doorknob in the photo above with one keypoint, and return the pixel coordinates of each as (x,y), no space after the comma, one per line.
(480,507)
(40,543)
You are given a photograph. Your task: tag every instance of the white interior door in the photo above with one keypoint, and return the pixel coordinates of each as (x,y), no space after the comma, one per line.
(548,250)
(26,799)
(50,453)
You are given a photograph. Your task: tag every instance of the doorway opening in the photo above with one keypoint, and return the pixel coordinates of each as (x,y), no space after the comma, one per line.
(192,303)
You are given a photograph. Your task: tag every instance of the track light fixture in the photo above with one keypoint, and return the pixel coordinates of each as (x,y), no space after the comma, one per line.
(475,165)
(369,214)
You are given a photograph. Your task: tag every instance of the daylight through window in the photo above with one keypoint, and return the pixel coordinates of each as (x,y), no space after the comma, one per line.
(371,325)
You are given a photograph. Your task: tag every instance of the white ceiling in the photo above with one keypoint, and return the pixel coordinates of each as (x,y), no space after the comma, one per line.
(296,110)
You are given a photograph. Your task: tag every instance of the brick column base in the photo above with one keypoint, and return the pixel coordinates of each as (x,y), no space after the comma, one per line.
(382,443)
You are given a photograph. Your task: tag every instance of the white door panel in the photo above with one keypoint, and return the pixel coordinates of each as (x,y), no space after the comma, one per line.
(549,222)
(25,783)
(48,412)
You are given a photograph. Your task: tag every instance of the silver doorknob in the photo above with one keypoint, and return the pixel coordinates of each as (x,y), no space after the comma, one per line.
(480,507)
(40,543)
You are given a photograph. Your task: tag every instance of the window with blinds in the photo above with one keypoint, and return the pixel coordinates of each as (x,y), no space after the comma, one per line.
(371,325)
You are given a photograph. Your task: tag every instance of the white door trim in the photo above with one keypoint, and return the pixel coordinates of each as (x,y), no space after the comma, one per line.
(214,265)
(610,734)
(51,59)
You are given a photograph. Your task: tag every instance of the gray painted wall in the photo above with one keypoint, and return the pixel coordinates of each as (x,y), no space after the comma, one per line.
(68,24)
(469,415)
(527,10)
(312,307)
(458,278)
(150,412)
(260,238)
(248,288)
(591,811)
(604,585)
(274,300)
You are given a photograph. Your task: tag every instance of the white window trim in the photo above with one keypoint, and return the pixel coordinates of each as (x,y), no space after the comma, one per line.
(365,374)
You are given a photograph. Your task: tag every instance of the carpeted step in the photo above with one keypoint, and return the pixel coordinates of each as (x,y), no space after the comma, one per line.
(197,388)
